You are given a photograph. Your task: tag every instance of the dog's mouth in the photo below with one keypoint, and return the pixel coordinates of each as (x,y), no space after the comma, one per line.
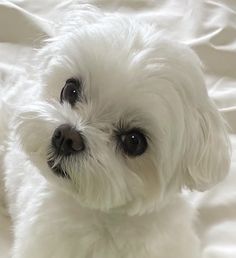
(57,169)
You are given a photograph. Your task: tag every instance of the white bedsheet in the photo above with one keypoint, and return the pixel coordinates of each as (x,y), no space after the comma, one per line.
(209,26)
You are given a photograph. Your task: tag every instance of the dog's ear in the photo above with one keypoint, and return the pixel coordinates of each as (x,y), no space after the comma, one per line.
(208,149)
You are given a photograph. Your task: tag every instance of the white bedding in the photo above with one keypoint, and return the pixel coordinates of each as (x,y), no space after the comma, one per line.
(209,26)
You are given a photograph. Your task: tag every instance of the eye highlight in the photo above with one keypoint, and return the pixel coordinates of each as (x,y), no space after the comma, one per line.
(71,91)
(133,142)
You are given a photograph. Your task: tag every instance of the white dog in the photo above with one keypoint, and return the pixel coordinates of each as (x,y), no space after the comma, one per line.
(104,131)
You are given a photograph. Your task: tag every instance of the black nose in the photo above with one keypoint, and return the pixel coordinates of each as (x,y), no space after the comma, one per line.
(66,140)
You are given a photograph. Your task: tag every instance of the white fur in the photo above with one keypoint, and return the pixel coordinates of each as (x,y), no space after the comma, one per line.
(113,206)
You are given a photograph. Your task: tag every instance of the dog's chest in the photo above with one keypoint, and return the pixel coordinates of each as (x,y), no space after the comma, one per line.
(95,235)
(61,227)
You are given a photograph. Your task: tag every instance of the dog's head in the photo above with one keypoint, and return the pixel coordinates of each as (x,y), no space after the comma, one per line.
(121,117)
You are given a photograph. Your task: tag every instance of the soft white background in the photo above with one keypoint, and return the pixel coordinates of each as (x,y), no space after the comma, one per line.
(209,26)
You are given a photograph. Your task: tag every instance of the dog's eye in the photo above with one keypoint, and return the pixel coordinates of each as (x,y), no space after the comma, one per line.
(71,91)
(133,143)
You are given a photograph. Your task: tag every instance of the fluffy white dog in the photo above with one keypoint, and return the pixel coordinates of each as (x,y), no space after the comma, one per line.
(110,124)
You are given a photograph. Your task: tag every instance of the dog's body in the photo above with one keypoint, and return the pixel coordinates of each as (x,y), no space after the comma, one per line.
(107,201)
(59,227)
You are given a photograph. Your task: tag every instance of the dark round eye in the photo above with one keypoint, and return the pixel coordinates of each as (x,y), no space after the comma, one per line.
(71,91)
(133,143)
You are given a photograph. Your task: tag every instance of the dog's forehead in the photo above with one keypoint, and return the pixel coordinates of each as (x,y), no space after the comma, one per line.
(122,73)
(110,74)
(116,96)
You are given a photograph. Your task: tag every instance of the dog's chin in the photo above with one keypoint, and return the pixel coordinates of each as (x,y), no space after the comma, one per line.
(57,169)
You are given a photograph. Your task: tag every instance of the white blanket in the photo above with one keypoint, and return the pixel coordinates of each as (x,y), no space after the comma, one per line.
(209,26)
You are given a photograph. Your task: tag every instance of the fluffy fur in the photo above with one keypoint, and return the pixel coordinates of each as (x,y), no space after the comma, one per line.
(113,205)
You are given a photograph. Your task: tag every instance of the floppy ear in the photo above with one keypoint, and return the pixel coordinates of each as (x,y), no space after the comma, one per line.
(208,149)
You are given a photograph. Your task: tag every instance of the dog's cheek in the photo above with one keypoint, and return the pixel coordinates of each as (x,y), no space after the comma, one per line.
(105,183)
(33,134)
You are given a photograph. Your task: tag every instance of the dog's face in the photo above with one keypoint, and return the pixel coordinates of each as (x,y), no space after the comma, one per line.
(122,119)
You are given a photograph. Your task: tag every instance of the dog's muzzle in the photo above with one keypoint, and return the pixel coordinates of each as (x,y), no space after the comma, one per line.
(67,141)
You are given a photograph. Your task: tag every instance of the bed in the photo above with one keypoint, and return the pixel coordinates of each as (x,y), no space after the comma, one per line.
(208,26)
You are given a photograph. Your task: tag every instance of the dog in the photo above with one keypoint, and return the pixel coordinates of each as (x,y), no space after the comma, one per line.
(110,122)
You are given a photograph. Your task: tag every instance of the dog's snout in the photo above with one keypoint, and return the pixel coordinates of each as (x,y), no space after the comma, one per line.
(66,140)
